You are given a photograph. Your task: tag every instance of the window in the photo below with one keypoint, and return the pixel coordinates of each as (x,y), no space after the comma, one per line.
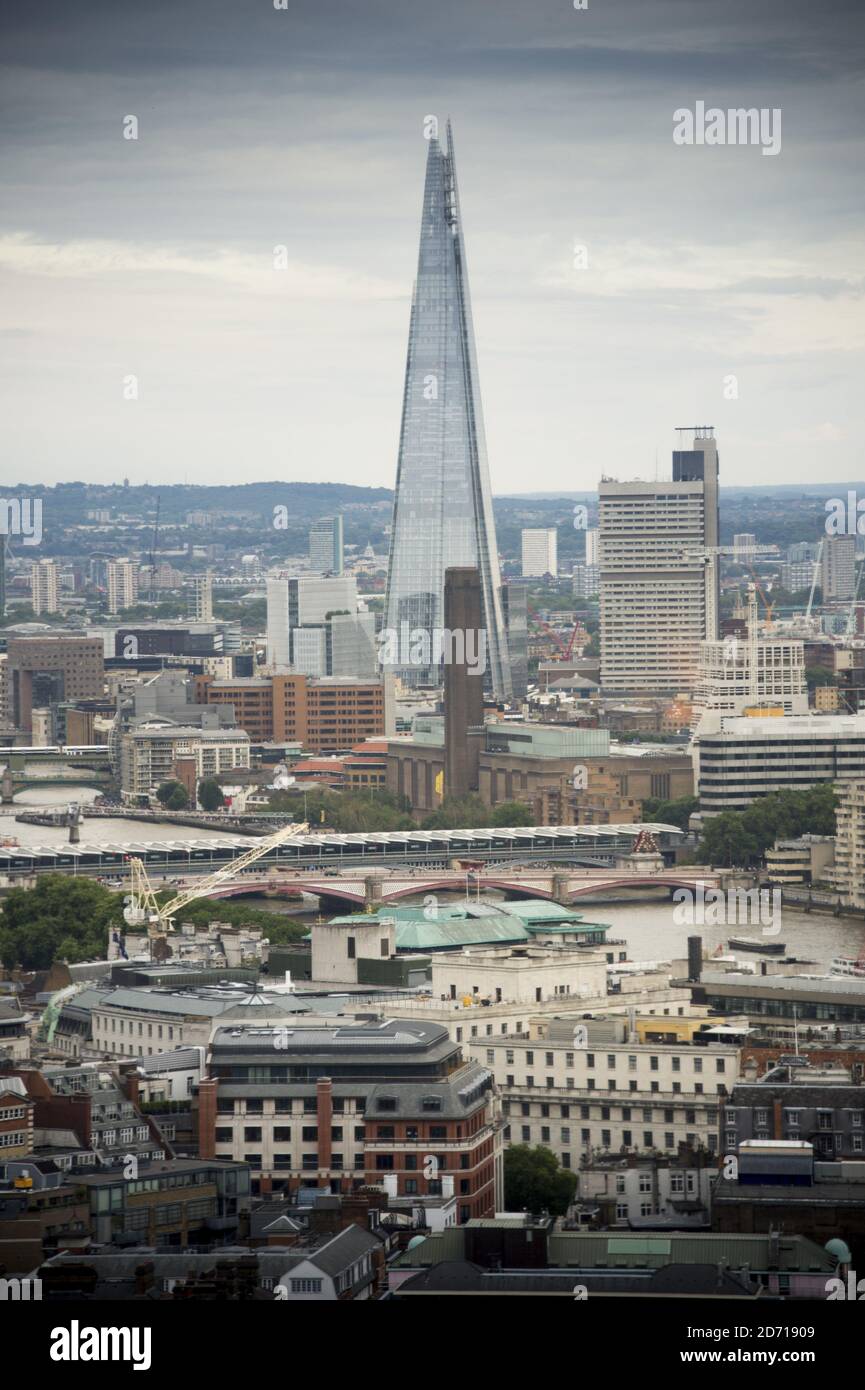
(632,1062)
(252,1134)
(646,1209)
(698,1064)
(349,942)
(720,1064)
(491,1056)
(306,1285)
(648,1140)
(309,1134)
(590,1059)
(223,1134)
(509,1056)
(677,1064)
(653,1063)
(545,1134)
(585,1136)
(389,1103)
(669,1141)
(620,1182)
(565,1135)
(526,1133)
(384,1132)
(530,1081)
(621,1211)
(530,1059)
(605,1138)
(550,1059)
(383,1162)
(645,1182)
(438,1131)
(427,1103)
(611,1061)
(677,1182)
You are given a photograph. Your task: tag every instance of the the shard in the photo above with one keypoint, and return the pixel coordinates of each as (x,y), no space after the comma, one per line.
(443,514)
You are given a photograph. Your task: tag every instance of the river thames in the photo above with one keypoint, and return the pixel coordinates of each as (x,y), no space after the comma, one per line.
(649,928)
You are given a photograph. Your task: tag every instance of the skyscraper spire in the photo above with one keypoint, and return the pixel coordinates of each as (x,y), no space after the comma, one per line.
(443,513)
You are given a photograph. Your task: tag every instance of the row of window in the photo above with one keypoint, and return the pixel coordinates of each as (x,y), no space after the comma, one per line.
(647,1113)
(550,1084)
(588,1138)
(654,1061)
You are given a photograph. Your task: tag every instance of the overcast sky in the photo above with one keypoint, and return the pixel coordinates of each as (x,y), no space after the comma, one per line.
(303,128)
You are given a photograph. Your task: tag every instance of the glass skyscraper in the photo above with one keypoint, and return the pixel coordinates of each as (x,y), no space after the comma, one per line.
(443,514)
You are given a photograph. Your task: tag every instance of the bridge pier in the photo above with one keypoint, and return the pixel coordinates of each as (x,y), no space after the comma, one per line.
(372,893)
(561,887)
(7,788)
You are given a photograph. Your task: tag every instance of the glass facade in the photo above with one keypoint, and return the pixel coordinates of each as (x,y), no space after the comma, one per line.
(443,512)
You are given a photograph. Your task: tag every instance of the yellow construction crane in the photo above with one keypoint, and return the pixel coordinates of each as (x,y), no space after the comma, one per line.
(143,909)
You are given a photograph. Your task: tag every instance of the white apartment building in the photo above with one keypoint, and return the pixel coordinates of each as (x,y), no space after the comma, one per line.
(608,1097)
(201,598)
(587,580)
(593,546)
(540,552)
(838,567)
(45,587)
(849,872)
(736,674)
(148,755)
(659,586)
(122,585)
(522,974)
(652,1192)
(738,759)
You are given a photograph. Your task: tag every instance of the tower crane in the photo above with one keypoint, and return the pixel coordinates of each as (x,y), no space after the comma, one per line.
(143,909)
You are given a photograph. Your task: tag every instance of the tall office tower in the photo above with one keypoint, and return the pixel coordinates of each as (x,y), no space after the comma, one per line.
(540,552)
(305,602)
(3,544)
(45,587)
(592,538)
(443,513)
(201,598)
(463,687)
(515,609)
(838,568)
(122,585)
(326,545)
(659,590)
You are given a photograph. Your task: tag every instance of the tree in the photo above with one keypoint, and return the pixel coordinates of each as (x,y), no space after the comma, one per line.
(209,794)
(534,1181)
(676,812)
(458,813)
(60,918)
(173,796)
(511,813)
(742,837)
